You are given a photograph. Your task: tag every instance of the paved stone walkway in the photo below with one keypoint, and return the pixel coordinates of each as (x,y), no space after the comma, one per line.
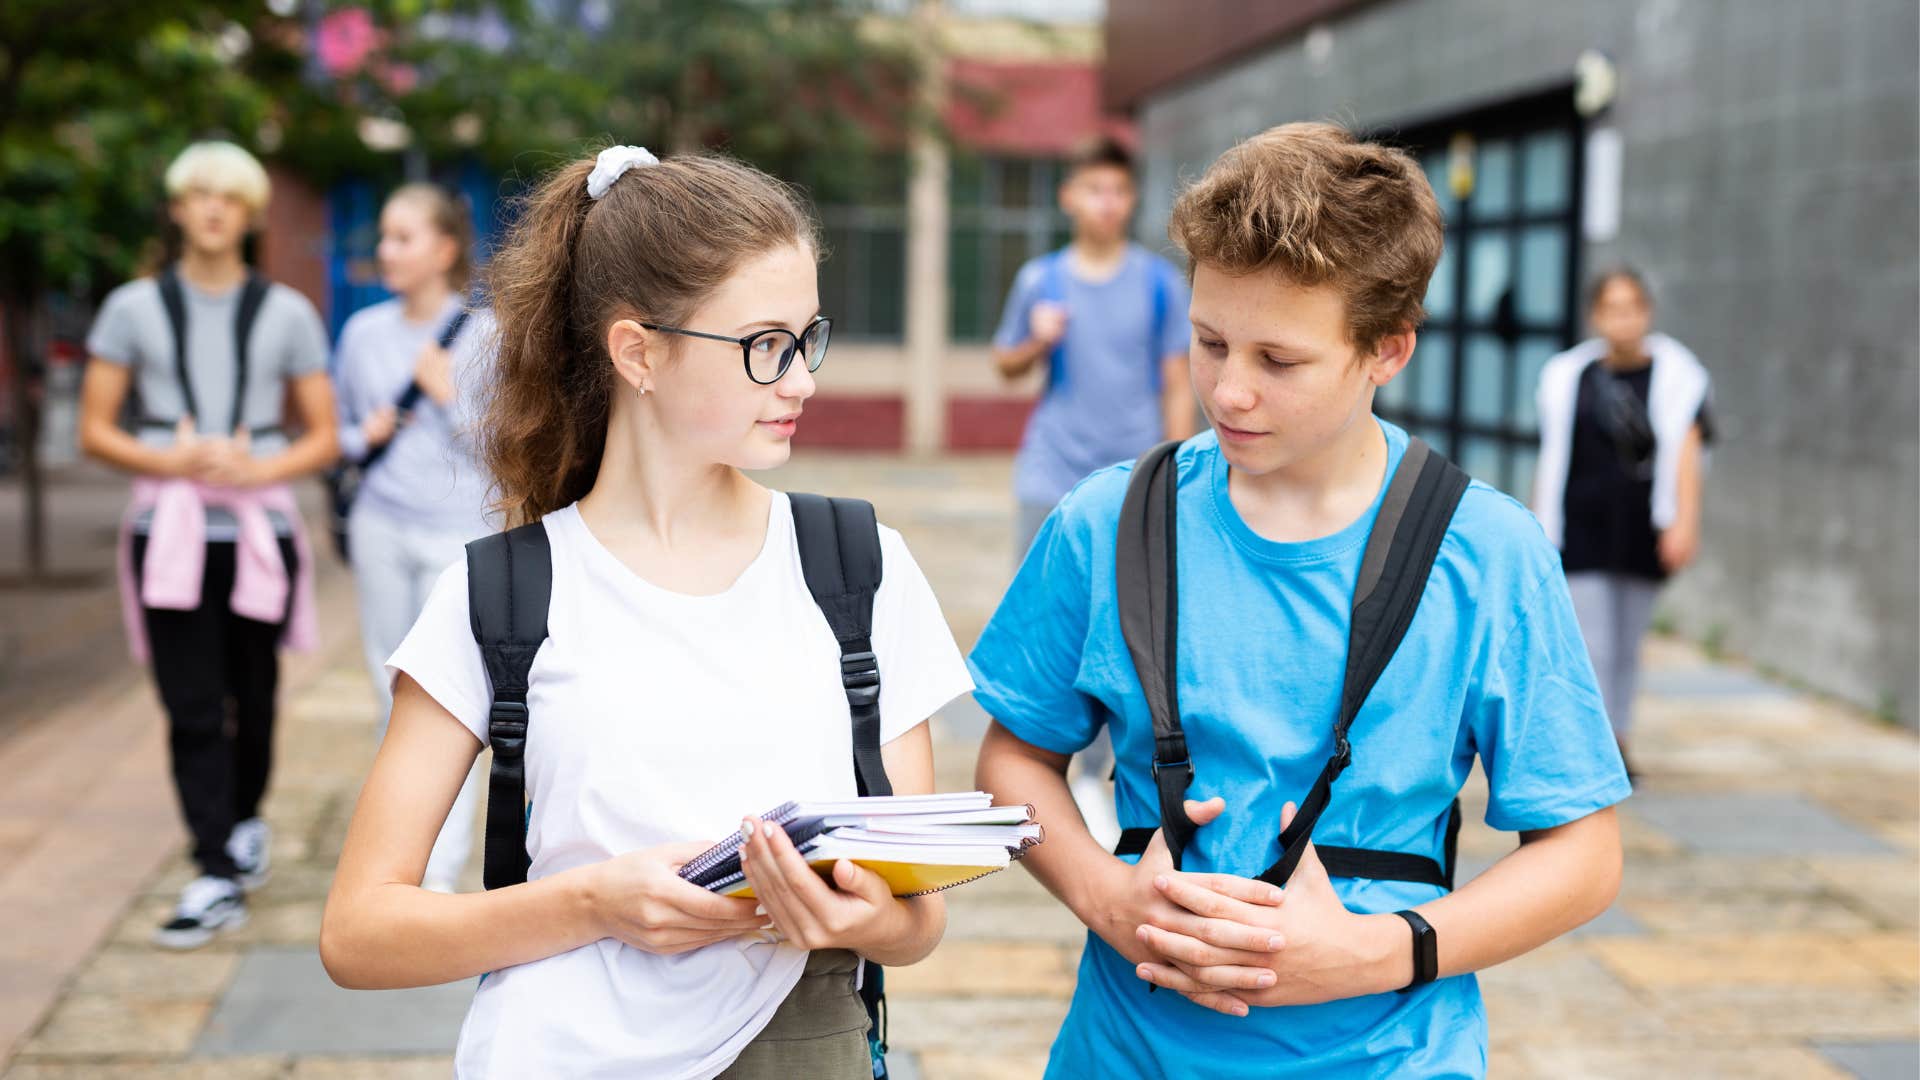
(1767,926)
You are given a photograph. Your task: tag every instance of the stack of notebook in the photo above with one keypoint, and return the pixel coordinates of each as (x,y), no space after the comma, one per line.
(918,843)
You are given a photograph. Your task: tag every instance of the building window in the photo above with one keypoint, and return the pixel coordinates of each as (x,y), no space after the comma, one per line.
(1502,299)
(1002,212)
(1005,211)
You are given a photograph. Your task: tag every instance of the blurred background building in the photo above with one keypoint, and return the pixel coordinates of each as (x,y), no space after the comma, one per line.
(1755,158)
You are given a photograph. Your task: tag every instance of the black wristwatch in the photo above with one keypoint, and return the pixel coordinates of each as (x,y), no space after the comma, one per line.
(1426,950)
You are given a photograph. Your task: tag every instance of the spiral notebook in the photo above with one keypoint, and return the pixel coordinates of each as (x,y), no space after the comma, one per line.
(918,843)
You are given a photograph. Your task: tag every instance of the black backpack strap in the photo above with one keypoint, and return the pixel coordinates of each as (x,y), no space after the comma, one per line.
(1147,584)
(1405,539)
(839,544)
(252,295)
(509,584)
(412,394)
(175,303)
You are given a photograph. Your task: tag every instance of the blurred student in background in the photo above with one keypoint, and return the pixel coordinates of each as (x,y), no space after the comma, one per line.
(1108,318)
(1624,422)
(215,570)
(405,420)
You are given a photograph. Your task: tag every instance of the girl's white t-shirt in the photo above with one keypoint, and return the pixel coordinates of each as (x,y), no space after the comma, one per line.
(658,717)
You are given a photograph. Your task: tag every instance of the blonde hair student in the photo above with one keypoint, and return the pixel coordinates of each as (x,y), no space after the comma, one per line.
(228,374)
(659,327)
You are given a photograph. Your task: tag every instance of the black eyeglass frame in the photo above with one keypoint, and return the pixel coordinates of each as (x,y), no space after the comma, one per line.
(746,345)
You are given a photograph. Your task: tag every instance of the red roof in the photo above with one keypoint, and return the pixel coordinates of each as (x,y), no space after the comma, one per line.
(1035,109)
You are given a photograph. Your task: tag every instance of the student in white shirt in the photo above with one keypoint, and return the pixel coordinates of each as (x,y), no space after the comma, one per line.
(422,494)
(688,679)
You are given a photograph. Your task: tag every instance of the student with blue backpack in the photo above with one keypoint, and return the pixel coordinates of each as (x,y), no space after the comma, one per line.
(656,650)
(1108,318)
(1302,628)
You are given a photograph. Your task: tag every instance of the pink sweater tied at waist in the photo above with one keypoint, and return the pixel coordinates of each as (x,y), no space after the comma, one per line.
(175,559)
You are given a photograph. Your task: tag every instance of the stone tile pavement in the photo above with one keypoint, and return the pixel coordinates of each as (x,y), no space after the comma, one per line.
(1769,924)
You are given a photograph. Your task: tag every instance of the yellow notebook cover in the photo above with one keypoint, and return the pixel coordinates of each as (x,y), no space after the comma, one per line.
(905,878)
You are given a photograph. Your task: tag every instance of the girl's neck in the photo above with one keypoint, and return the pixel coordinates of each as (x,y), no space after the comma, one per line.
(1628,359)
(649,496)
(426,301)
(213,271)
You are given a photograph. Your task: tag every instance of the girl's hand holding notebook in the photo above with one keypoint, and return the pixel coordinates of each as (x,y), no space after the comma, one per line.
(855,912)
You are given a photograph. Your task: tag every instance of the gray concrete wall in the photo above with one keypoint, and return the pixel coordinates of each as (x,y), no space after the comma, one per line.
(1770,191)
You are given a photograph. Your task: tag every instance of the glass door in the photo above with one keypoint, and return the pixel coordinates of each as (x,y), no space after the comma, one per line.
(1503,298)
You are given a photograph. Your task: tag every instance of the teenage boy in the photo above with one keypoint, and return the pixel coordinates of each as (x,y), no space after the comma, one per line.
(1310,252)
(215,570)
(1108,318)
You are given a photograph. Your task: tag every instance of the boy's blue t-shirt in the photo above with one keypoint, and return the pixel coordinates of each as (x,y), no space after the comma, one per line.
(1492,665)
(1102,401)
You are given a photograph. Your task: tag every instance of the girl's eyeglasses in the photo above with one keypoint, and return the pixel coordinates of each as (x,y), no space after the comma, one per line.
(768,353)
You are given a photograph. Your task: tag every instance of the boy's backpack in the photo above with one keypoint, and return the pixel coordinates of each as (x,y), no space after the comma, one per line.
(344,479)
(1400,551)
(509,585)
(253,294)
(1054,273)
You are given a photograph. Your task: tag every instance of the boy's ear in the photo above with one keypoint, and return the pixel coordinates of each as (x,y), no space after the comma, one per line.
(1390,356)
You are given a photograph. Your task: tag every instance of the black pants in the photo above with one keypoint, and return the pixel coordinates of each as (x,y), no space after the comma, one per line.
(217,673)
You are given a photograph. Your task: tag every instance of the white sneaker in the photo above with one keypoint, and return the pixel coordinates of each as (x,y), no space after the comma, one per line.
(249,846)
(207,906)
(1094,796)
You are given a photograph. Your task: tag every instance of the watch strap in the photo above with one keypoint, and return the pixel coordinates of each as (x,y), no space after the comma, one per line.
(1426,950)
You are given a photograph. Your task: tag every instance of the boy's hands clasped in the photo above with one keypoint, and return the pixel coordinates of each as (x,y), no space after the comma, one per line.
(1229,943)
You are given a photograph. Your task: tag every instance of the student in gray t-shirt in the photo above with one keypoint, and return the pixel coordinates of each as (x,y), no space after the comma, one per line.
(216,668)
(1109,319)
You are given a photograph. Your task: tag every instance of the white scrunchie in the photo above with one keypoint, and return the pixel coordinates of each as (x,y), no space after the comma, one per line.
(612,163)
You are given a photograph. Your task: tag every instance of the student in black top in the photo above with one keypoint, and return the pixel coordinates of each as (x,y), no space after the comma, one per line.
(1624,421)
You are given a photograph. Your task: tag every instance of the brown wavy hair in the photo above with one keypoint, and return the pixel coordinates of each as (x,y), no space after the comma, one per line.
(447,214)
(1317,206)
(653,248)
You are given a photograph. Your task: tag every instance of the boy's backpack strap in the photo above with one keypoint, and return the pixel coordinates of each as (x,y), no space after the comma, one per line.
(253,295)
(1053,290)
(1147,584)
(509,585)
(1400,551)
(174,300)
(1162,308)
(839,544)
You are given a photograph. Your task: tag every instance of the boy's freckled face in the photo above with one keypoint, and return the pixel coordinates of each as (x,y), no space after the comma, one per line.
(1273,367)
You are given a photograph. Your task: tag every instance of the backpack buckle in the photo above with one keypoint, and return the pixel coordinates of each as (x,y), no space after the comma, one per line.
(1183,763)
(507,728)
(859,669)
(1342,752)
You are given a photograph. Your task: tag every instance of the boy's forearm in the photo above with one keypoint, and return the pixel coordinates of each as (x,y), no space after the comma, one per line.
(1018,360)
(313,451)
(1556,881)
(1071,864)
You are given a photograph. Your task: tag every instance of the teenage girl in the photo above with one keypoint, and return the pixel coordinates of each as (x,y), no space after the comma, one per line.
(1624,424)
(659,325)
(424,496)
